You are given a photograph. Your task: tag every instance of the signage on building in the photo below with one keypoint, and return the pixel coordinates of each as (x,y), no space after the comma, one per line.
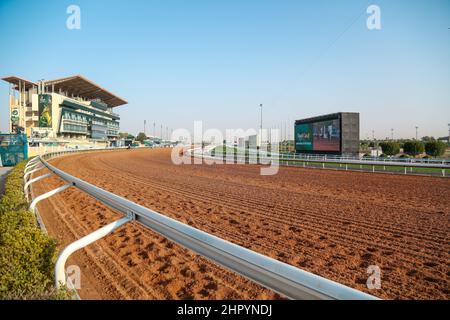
(45,110)
(15,116)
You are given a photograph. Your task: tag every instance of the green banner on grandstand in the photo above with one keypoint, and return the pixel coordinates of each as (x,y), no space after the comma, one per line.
(45,110)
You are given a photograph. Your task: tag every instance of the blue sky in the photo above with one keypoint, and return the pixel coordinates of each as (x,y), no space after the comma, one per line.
(216,61)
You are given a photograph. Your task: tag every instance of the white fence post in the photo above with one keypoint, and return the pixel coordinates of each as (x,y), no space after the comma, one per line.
(27,184)
(47,195)
(60,273)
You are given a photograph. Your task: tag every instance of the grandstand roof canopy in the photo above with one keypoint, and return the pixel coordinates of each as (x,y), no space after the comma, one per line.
(15,80)
(76,85)
(85,88)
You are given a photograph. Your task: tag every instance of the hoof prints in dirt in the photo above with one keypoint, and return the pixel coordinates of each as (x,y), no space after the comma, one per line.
(372,219)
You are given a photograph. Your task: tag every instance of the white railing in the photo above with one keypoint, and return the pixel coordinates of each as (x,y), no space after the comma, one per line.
(343,162)
(303,156)
(41,150)
(280,277)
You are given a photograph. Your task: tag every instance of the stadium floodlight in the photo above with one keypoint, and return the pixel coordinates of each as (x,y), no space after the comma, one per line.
(261,124)
(448,133)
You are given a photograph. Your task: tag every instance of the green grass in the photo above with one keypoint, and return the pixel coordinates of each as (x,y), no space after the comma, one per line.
(378,168)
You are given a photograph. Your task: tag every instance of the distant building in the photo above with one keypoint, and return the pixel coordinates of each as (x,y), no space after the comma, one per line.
(241,142)
(252,141)
(72,110)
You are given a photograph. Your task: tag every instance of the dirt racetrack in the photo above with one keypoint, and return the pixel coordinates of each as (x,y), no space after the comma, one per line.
(332,223)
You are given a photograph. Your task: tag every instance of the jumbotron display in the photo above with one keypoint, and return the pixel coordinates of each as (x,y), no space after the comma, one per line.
(336,133)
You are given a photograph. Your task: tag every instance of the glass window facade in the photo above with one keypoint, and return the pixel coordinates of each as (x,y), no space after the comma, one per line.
(113,128)
(92,124)
(73,122)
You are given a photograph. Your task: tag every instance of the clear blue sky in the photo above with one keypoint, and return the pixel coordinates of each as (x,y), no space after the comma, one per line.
(216,61)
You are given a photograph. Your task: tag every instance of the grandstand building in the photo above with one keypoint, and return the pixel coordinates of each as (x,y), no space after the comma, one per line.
(66,111)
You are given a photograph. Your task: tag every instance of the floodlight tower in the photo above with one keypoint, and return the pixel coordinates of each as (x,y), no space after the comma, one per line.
(261,124)
(449,133)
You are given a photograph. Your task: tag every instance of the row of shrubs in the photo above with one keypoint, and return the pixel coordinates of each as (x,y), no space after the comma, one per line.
(403,156)
(414,148)
(27,254)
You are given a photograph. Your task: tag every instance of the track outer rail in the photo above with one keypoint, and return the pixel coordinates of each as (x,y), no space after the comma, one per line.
(283,160)
(427,163)
(280,277)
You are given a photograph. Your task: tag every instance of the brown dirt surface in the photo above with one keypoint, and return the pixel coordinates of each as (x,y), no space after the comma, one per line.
(332,223)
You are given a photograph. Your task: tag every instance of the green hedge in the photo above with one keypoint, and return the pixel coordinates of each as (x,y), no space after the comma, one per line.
(27,254)
(414,147)
(390,148)
(435,148)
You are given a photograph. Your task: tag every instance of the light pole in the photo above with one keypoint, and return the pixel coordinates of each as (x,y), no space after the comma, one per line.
(145,123)
(374,144)
(161,132)
(261,125)
(449,133)
(373,138)
(392,134)
(417,134)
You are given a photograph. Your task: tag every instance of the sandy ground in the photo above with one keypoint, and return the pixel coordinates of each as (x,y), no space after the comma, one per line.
(332,223)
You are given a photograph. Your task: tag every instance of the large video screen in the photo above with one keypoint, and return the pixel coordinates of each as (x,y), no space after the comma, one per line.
(318,136)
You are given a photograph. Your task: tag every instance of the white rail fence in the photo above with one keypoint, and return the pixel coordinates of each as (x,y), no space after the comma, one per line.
(326,161)
(280,277)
